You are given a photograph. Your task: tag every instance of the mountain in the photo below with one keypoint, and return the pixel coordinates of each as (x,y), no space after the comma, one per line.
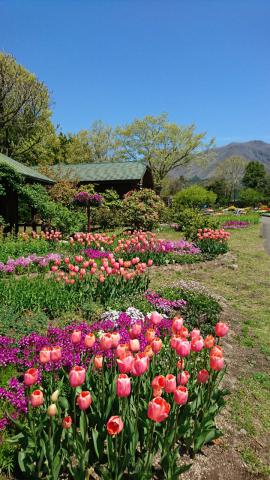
(255,150)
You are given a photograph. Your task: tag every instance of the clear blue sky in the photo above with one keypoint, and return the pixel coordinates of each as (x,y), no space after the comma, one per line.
(202,61)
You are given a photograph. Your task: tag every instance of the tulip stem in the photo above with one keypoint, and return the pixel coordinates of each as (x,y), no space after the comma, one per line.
(150,444)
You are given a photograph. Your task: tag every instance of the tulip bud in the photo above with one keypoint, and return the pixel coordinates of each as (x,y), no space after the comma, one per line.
(52,410)
(55,395)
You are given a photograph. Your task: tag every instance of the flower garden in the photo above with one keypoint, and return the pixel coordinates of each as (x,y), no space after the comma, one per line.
(106,377)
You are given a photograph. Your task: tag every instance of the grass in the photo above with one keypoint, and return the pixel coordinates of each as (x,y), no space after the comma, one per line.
(246,289)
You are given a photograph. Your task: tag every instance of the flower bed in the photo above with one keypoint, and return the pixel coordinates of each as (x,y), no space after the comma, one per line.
(113,396)
(213,242)
(30,263)
(235,224)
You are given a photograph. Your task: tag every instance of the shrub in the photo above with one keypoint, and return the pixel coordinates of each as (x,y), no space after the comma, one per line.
(250,197)
(190,220)
(109,214)
(142,209)
(194,196)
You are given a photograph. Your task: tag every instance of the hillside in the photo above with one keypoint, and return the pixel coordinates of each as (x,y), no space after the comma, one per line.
(255,150)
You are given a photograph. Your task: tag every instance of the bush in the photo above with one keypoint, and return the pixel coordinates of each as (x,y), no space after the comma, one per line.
(250,197)
(194,196)
(190,220)
(109,214)
(142,209)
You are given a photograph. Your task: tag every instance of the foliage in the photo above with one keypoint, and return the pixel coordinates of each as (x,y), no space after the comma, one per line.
(109,214)
(19,247)
(160,144)
(190,220)
(9,179)
(142,209)
(254,176)
(170,186)
(25,124)
(231,170)
(63,192)
(194,196)
(250,197)
(53,213)
(222,190)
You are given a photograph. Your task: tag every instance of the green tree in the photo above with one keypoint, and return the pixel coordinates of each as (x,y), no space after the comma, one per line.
(25,117)
(231,170)
(250,197)
(194,196)
(254,176)
(161,144)
(221,189)
(142,209)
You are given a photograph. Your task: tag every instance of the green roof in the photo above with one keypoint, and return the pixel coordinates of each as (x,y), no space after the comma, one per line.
(98,172)
(24,170)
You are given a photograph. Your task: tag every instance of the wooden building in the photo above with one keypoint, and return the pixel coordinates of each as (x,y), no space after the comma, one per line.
(9,201)
(121,176)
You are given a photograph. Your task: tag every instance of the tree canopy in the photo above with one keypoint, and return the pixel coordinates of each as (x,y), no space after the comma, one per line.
(161,144)
(194,196)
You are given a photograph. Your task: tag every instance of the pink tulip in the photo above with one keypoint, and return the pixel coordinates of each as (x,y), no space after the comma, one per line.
(76,337)
(121,350)
(31,376)
(156,345)
(106,341)
(221,329)
(89,340)
(183,377)
(195,333)
(67,422)
(158,409)
(183,348)
(203,376)
(209,341)
(150,335)
(56,354)
(115,337)
(123,385)
(134,345)
(158,382)
(170,383)
(197,344)
(140,364)
(125,363)
(135,330)
(155,318)
(98,362)
(150,263)
(181,395)
(216,363)
(84,400)
(177,324)
(36,398)
(45,355)
(76,376)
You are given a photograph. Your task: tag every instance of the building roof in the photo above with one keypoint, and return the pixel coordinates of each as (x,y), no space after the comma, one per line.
(101,172)
(24,169)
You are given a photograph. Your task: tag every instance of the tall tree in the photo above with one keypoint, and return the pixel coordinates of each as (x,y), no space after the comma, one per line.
(254,176)
(231,170)
(24,112)
(161,144)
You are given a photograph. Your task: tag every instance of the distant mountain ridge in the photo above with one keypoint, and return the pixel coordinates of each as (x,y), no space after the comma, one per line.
(255,150)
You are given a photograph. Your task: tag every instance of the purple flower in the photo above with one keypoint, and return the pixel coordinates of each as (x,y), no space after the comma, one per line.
(92,253)
(163,303)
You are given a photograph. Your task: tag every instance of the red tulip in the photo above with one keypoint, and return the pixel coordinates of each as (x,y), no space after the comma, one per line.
(216,363)
(203,376)
(209,341)
(114,425)
(158,409)
(183,377)
(156,345)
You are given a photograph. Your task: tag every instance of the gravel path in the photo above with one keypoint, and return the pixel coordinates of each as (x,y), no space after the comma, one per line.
(265,228)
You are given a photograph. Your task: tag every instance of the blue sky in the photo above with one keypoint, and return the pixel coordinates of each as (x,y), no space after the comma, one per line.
(202,61)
